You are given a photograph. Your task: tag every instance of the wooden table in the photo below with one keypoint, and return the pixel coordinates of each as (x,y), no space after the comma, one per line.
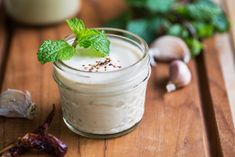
(193,122)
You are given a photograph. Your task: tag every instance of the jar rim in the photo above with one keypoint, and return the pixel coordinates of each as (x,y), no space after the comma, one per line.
(60,64)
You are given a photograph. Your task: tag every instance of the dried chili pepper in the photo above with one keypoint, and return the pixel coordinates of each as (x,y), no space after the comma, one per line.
(45,126)
(39,140)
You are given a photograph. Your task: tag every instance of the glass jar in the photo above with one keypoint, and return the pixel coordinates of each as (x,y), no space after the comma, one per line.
(104,104)
(41,12)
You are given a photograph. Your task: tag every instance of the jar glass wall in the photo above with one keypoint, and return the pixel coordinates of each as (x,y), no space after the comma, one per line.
(105,104)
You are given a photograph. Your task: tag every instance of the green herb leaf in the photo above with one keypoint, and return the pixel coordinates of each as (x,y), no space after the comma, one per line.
(94,40)
(175,30)
(51,51)
(178,30)
(221,23)
(159,25)
(148,28)
(204,30)
(162,6)
(195,46)
(119,22)
(137,3)
(201,11)
(141,28)
(191,20)
(76,25)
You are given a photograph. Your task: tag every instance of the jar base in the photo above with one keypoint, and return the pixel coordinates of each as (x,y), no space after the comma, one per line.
(99,136)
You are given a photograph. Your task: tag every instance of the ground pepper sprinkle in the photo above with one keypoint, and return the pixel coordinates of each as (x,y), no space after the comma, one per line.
(100,65)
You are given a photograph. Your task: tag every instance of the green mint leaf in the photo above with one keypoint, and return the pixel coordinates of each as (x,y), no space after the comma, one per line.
(195,46)
(88,42)
(201,11)
(142,28)
(178,30)
(94,41)
(137,3)
(139,27)
(221,23)
(175,30)
(162,6)
(51,51)
(76,25)
(203,30)
(120,21)
(148,28)
(159,25)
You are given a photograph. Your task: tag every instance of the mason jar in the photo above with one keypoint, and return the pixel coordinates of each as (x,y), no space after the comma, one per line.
(41,12)
(105,104)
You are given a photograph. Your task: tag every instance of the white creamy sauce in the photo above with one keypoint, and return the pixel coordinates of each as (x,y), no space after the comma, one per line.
(111,106)
(122,54)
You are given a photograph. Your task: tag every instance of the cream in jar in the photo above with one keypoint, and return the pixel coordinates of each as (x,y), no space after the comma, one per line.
(104,97)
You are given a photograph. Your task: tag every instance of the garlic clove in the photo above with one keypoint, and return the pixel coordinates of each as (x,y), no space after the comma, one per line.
(180,75)
(152,53)
(168,48)
(17,104)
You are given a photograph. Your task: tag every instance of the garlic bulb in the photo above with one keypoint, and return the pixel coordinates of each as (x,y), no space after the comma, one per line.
(152,56)
(17,104)
(169,48)
(180,75)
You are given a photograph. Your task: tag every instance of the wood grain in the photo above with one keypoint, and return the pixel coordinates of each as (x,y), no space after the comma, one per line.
(225,44)
(227,63)
(193,122)
(3,39)
(216,107)
(172,125)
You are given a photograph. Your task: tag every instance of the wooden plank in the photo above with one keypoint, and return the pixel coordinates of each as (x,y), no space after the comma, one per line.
(3,43)
(24,72)
(145,141)
(172,124)
(217,113)
(227,55)
(223,44)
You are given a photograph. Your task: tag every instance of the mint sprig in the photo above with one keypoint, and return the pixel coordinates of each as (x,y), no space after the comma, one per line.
(94,40)
(51,51)
(88,42)
(76,25)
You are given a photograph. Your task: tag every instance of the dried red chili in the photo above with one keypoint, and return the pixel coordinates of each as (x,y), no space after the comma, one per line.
(39,140)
